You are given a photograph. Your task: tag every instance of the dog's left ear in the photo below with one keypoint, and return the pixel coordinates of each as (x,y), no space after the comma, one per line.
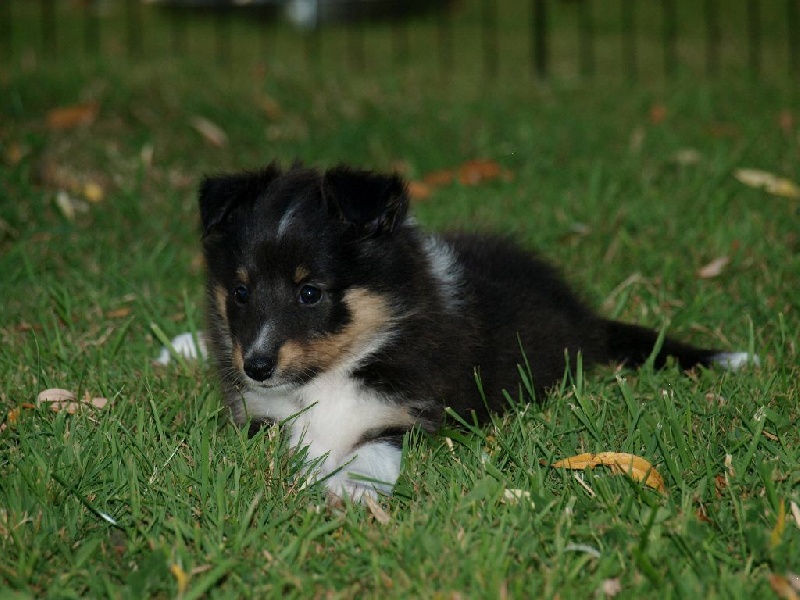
(222,195)
(372,203)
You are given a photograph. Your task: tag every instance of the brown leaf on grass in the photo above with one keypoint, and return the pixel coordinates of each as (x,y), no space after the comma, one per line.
(418,190)
(69,117)
(439,178)
(381,516)
(786,121)
(619,462)
(658,112)
(714,268)
(783,588)
(210,131)
(475,172)
(59,399)
(119,313)
(770,183)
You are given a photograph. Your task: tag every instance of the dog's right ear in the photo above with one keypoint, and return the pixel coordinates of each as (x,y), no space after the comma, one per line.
(222,195)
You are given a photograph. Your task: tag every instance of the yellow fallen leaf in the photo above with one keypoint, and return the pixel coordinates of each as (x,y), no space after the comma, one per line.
(714,268)
(93,192)
(181,576)
(13,416)
(772,184)
(780,525)
(619,462)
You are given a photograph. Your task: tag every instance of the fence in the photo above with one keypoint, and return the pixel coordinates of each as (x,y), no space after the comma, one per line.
(547,38)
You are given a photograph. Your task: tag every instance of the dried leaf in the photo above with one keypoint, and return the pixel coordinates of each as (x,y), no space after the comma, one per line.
(181,577)
(439,178)
(658,112)
(611,587)
(58,399)
(786,121)
(65,205)
(795,513)
(475,172)
(782,587)
(418,190)
(119,313)
(381,516)
(772,184)
(212,132)
(68,117)
(780,525)
(93,192)
(619,462)
(714,268)
(514,496)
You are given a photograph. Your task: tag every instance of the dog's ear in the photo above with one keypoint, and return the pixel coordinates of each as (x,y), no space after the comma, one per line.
(369,202)
(220,196)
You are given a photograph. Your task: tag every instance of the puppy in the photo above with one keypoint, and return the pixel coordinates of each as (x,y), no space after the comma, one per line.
(330,311)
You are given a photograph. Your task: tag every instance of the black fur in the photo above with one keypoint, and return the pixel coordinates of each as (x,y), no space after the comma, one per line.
(350,230)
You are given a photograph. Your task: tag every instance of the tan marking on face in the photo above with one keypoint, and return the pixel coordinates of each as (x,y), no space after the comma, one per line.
(243,276)
(237,357)
(369,313)
(221,299)
(300,273)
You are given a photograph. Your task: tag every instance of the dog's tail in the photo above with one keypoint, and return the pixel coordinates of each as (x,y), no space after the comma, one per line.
(634,345)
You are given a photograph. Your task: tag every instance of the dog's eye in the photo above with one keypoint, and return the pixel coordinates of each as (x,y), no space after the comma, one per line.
(240,294)
(310,294)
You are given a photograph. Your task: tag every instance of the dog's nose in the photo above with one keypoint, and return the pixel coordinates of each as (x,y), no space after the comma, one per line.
(259,368)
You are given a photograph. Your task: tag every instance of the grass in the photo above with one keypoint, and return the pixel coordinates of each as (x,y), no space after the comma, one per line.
(201,510)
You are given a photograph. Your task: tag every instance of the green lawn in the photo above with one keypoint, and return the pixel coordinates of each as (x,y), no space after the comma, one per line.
(602,183)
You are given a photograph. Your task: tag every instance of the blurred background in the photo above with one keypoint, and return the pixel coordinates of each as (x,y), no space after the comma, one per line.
(631,39)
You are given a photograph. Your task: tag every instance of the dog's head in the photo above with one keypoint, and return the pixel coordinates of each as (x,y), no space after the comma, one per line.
(295,263)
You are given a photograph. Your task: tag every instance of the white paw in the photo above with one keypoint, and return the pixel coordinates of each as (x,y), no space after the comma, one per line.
(184,345)
(736,360)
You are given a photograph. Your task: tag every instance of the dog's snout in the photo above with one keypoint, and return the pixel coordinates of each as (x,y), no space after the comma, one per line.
(259,368)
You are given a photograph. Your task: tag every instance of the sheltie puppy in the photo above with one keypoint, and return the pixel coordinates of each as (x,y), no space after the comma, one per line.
(333,313)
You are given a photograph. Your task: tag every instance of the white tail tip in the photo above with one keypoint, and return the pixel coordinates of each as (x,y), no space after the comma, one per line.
(736,360)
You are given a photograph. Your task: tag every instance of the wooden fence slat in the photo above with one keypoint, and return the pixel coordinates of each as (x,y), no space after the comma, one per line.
(629,58)
(713,37)
(489,30)
(670,26)
(586,37)
(539,42)
(91,28)
(49,32)
(754,36)
(6,29)
(793,36)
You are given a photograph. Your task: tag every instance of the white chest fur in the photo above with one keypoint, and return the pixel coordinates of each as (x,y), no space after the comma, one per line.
(330,416)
